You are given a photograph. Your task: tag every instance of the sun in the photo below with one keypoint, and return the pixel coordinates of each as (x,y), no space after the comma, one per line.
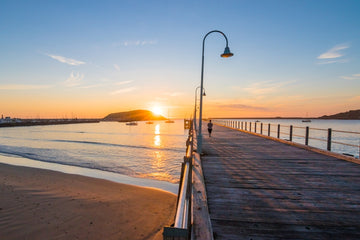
(157,110)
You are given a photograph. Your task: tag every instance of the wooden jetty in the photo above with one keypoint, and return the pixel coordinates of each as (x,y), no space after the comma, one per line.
(263,189)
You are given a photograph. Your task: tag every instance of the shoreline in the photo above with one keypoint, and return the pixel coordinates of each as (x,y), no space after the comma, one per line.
(88,172)
(46,204)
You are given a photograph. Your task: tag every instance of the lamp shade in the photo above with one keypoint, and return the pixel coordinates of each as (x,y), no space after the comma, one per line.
(227,53)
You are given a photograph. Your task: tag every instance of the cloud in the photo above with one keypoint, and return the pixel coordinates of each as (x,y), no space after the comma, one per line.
(351,77)
(334,61)
(334,52)
(74,79)
(124,90)
(136,43)
(23,87)
(117,67)
(236,106)
(66,60)
(266,87)
(123,82)
(93,86)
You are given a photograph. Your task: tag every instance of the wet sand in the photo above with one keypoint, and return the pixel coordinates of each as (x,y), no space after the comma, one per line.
(44,204)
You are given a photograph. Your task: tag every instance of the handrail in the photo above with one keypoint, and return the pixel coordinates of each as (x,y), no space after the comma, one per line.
(181,228)
(271,129)
(180,218)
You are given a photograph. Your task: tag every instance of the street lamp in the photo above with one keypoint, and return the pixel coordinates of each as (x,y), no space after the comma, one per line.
(204,94)
(226,54)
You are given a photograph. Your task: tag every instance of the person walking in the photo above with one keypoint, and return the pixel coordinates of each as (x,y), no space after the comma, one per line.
(210,126)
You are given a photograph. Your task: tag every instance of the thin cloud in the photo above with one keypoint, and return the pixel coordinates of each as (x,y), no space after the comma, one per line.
(124,90)
(23,87)
(74,79)
(266,87)
(117,67)
(136,43)
(93,86)
(334,61)
(124,82)
(66,60)
(351,77)
(335,52)
(236,106)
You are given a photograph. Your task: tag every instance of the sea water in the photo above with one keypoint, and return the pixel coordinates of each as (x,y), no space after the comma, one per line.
(146,151)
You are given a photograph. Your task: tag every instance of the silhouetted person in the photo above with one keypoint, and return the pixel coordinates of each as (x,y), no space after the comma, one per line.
(210,126)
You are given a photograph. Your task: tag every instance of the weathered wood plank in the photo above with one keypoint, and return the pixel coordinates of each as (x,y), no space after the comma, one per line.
(263,189)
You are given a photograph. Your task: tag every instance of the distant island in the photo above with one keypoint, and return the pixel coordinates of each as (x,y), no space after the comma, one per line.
(136,115)
(350,115)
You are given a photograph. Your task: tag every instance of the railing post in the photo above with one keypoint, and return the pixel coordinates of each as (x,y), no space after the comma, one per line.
(255,127)
(329,139)
(291,133)
(278,131)
(307,136)
(250,127)
(242,125)
(261,128)
(269,129)
(245,126)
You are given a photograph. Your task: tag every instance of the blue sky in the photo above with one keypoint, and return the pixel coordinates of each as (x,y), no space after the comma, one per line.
(90,58)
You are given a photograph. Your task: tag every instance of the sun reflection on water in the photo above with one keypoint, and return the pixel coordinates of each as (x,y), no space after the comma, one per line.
(157,129)
(157,141)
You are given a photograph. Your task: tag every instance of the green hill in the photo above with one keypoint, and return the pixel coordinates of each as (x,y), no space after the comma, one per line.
(136,115)
(352,114)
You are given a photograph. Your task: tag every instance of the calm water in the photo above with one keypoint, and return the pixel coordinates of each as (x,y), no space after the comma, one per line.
(147,151)
(317,133)
(150,151)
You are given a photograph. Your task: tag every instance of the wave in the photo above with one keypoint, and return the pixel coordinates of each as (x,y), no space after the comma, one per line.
(60,157)
(119,145)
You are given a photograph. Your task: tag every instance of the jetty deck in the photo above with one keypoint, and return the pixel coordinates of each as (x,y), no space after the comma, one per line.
(263,189)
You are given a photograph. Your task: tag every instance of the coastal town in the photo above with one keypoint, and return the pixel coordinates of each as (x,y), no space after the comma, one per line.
(15,122)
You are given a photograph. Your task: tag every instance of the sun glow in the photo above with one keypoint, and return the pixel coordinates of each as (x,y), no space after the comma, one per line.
(157,110)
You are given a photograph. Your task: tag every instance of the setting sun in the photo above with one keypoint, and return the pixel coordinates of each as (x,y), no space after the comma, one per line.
(157,110)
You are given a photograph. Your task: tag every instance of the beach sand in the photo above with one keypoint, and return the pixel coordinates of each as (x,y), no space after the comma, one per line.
(44,204)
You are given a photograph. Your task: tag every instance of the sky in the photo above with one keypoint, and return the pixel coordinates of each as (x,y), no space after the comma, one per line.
(86,59)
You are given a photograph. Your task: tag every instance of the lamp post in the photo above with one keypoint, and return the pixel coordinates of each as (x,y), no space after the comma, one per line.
(203,94)
(226,54)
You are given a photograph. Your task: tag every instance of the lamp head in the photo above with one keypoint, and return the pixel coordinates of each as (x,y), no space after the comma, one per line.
(227,53)
(204,94)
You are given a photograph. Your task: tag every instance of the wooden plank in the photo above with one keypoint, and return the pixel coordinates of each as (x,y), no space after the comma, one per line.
(263,189)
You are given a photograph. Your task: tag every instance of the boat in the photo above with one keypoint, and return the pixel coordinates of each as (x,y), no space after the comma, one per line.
(149,122)
(169,121)
(131,123)
(306,119)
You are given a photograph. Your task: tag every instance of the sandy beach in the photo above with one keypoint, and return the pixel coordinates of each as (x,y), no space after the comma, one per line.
(44,204)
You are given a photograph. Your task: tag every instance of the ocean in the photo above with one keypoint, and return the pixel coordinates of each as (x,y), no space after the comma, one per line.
(146,154)
(152,152)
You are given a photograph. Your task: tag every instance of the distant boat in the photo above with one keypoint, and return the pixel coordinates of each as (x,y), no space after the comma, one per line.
(307,119)
(131,123)
(169,121)
(149,122)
